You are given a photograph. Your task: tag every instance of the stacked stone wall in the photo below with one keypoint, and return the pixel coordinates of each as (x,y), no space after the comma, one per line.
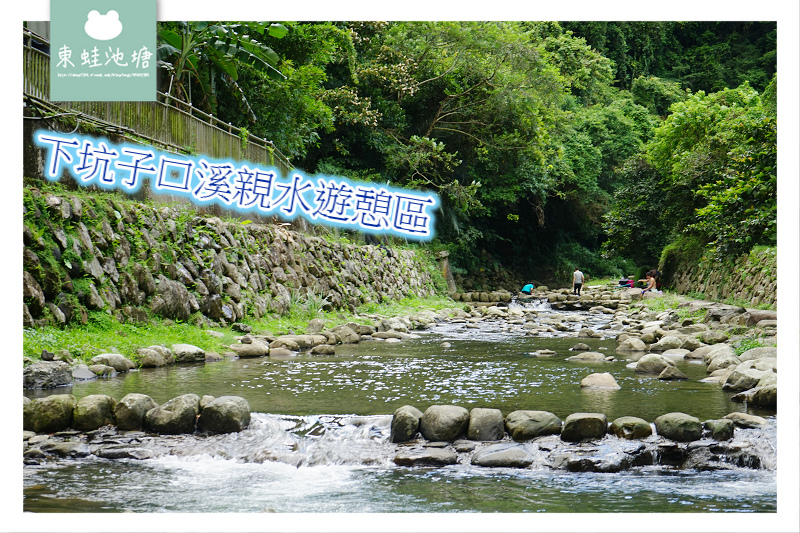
(752,278)
(106,253)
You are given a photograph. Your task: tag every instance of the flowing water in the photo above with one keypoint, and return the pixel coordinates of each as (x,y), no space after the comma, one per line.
(318,439)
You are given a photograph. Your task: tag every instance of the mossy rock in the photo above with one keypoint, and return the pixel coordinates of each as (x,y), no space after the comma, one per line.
(49,414)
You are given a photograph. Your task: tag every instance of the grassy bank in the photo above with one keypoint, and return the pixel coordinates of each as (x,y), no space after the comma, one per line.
(104,334)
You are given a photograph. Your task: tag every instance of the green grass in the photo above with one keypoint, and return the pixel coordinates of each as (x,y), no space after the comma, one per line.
(750,343)
(109,335)
(104,334)
(740,302)
(672,302)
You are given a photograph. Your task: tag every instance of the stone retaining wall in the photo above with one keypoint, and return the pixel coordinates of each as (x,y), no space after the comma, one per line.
(135,260)
(752,277)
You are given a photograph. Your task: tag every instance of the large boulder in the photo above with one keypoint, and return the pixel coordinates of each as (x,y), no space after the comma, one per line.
(709,352)
(583,426)
(81,372)
(188,353)
(172,300)
(763,352)
(506,454)
(93,411)
(405,423)
(713,337)
(692,343)
(749,374)
(722,360)
(753,316)
(49,414)
(118,362)
(679,427)
(672,373)
(130,411)
(444,422)
(600,381)
(46,375)
(630,427)
(394,324)
(255,348)
(766,396)
(32,294)
(668,342)
(525,425)
(653,364)
(176,416)
(745,420)
(588,357)
(485,424)
(226,414)
(345,335)
(155,356)
(631,345)
(721,429)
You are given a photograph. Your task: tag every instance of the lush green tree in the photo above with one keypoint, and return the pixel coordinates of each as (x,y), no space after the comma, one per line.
(638,225)
(200,53)
(656,94)
(716,178)
(543,139)
(618,130)
(742,204)
(691,147)
(700,55)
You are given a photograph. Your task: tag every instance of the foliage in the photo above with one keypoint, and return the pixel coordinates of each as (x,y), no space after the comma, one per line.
(541,138)
(717,154)
(742,205)
(637,226)
(200,52)
(748,344)
(103,334)
(673,303)
(699,55)
(656,94)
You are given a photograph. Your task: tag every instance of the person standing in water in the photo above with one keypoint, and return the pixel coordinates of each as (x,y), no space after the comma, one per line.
(577,282)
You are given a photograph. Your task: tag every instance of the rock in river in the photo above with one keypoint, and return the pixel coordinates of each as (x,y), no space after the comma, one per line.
(46,375)
(176,416)
(485,424)
(226,414)
(526,425)
(679,427)
(582,426)
(444,422)
(130,411)
(93,411)
(630,427)
(49,414)
(405,423)
(506,454)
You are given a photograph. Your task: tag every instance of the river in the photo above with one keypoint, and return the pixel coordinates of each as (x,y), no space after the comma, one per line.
(316,419)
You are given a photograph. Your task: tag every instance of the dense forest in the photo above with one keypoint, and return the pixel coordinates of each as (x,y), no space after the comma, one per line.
(550,144)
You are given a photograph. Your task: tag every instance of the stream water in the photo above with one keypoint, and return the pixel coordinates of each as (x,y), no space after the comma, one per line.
(316,419)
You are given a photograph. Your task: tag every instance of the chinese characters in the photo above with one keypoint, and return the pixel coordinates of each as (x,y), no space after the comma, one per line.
(335,201)
(94,58)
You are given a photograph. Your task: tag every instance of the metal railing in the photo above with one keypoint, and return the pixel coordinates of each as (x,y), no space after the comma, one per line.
(176,126)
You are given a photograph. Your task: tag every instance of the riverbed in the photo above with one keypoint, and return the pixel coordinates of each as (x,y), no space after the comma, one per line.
(318,442)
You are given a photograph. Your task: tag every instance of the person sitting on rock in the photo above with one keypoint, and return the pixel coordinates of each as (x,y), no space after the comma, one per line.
(651,283)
